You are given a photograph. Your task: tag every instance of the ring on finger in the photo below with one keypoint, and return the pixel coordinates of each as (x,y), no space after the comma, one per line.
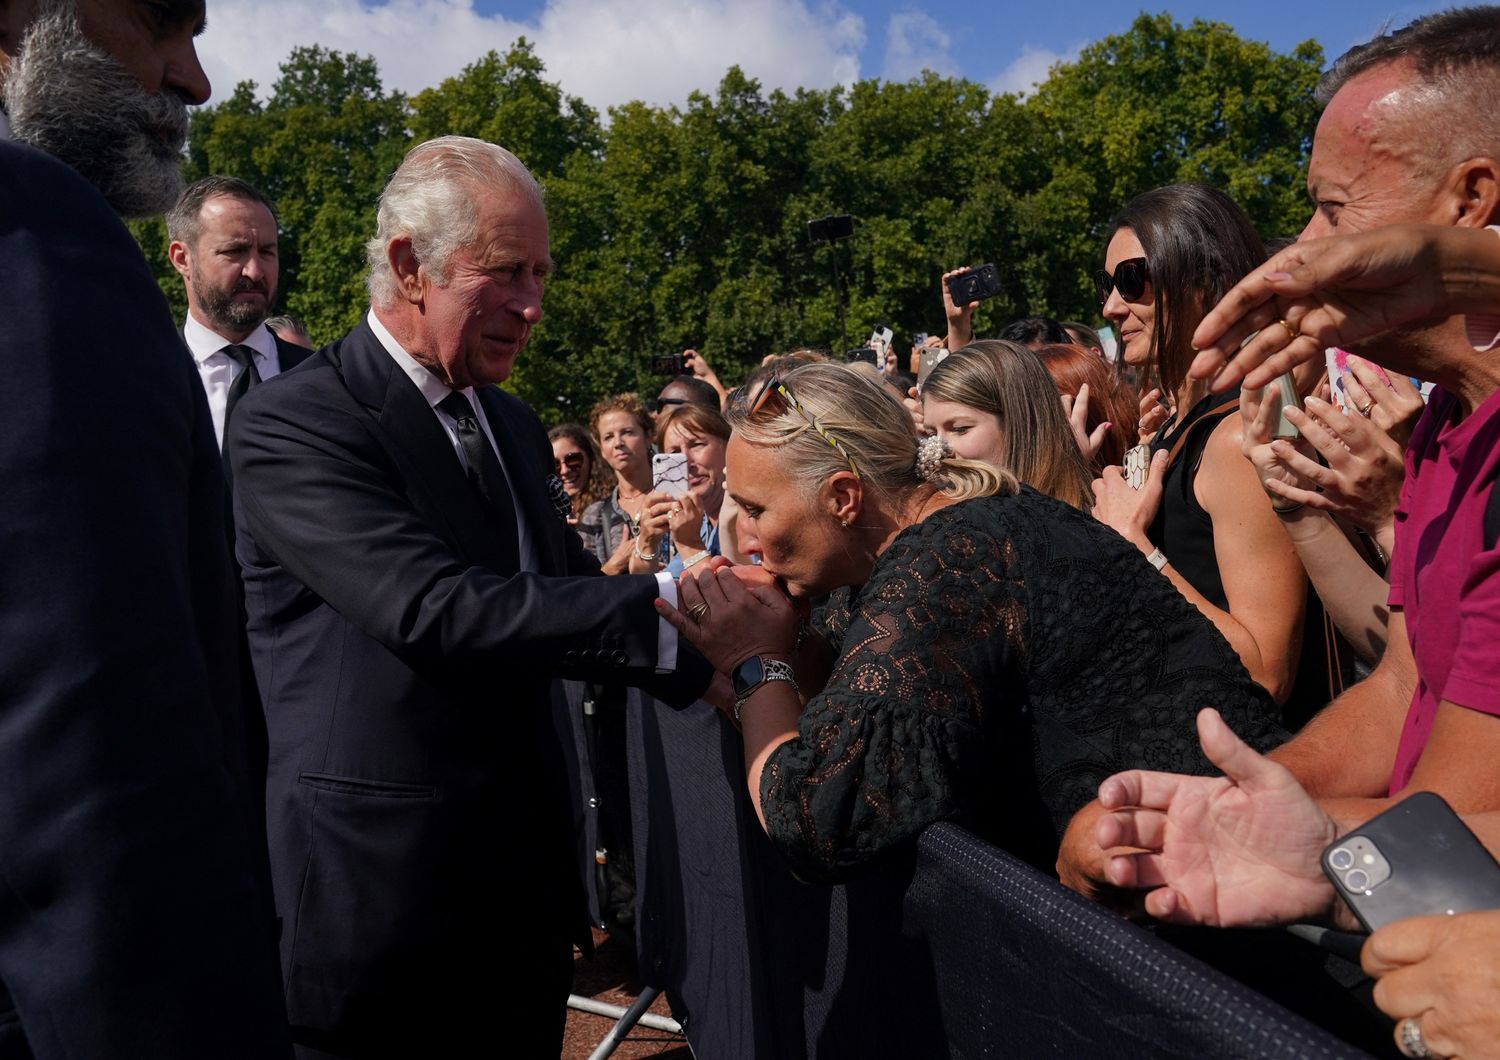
(1291,329)
(1409,1039)
(697,611)
(1364,410)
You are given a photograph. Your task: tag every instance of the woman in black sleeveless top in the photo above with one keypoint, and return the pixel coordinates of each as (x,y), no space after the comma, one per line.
(1202,517)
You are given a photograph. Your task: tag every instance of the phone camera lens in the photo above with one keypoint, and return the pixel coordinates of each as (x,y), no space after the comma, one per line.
(1358,880)
(1341,859)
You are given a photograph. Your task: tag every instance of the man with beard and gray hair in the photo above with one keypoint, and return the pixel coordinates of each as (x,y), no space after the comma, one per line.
(223,244)
(133,913)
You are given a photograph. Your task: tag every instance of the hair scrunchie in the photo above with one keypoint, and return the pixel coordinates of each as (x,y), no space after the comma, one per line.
(931,452)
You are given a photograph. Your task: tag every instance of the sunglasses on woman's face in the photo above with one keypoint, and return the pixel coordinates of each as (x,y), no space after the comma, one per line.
(570,461)
(1130,279)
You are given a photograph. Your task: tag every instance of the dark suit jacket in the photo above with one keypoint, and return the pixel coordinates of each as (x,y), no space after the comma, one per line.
(132,921)
(419,824)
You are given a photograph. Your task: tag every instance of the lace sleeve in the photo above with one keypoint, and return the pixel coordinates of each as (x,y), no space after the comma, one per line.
(894,741)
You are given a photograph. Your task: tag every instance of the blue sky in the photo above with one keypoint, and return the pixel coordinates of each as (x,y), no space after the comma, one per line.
(986,37)
(660,50)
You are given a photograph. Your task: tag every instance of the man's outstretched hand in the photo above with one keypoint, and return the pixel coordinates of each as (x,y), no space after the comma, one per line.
(1342,289)
(1238,850)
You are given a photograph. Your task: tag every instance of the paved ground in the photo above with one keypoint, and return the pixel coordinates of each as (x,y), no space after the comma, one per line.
(610,977)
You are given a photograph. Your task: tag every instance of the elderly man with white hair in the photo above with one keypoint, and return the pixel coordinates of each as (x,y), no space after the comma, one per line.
(412,591)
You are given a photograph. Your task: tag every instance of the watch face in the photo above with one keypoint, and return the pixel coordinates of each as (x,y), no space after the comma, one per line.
(748,674)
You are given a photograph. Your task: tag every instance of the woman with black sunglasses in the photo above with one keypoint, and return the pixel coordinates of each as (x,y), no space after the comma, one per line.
(1201,517)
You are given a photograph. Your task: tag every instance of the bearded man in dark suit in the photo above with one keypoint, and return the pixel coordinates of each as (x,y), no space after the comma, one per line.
(133,920)
(224,245)
(412,592)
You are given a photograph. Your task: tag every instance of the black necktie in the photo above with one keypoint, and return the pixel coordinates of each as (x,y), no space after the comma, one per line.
(486,475)
(249,376)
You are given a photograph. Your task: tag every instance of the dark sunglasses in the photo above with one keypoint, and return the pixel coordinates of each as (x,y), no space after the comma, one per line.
(571,461)
(1130,279)
(774,387)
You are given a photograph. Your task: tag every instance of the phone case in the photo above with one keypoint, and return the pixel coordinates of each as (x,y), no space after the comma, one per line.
(1137,464)
(1423,860)
(1284,392)
(669,473)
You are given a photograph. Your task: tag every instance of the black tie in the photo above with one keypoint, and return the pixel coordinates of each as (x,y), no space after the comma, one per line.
(249,376)
(486,475)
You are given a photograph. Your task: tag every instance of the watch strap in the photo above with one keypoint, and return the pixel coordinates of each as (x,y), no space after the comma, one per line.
(771,670)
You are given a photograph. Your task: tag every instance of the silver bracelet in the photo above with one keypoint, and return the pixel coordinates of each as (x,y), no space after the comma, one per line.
(696,557)
(644,557)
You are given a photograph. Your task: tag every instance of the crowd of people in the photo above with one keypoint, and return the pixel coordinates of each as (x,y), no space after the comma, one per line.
(285,628)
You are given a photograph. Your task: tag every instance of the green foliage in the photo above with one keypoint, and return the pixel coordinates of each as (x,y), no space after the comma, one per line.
(678,227)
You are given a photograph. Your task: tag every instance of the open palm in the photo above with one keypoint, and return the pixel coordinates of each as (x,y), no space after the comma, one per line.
(1239,850)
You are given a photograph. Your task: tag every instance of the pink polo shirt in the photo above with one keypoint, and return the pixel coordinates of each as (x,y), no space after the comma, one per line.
(1442,577)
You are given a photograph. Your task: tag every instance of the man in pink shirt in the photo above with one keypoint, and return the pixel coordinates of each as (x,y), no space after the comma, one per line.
(1408,135)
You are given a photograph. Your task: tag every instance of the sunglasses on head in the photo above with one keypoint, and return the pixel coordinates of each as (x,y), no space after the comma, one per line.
(571,461)
(1130,279)
(774,387)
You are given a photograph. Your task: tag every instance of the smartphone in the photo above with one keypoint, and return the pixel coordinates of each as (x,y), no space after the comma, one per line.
(862,353)
(668,364)
(931,357)
(975,285)
(669,473)
(1415,859)
(1137,463)
(1282,395)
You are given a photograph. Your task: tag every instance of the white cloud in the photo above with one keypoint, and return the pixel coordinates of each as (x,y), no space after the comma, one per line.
(915,42)
(608,53)
(1030,69)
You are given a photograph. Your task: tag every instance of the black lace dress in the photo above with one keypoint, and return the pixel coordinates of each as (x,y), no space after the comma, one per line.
(1006,655)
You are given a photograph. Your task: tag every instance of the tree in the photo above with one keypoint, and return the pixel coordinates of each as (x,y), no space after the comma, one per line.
(1153,106)
(677,227)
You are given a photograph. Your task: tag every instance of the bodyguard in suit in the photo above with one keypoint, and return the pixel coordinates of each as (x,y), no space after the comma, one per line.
(411,593)
(132,920)
(224,246)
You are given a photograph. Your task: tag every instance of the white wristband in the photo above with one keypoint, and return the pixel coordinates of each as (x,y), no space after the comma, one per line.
(1157,559)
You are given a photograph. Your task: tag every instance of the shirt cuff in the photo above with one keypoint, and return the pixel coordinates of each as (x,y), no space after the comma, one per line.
(1484,328)
(666,633)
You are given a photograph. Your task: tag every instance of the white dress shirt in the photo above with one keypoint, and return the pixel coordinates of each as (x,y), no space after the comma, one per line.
(218,370)
(434,390)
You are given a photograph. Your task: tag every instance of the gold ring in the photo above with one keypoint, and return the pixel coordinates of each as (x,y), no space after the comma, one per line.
(676,509)
(697,611)
(1291,329)
(1365,412)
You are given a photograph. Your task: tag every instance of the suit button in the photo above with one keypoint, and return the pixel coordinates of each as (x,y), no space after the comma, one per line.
(570,658)
(619,658)
(589,655)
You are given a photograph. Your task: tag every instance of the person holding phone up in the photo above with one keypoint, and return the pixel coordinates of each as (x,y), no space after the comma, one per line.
(684,506)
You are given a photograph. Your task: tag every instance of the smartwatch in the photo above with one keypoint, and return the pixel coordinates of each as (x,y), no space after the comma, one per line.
(756,671)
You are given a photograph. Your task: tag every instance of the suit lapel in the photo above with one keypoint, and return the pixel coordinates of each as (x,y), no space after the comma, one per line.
(424,451)
(288,354)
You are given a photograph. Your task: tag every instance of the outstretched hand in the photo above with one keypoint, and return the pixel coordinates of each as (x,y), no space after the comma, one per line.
(1331,292)
(1240,850)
